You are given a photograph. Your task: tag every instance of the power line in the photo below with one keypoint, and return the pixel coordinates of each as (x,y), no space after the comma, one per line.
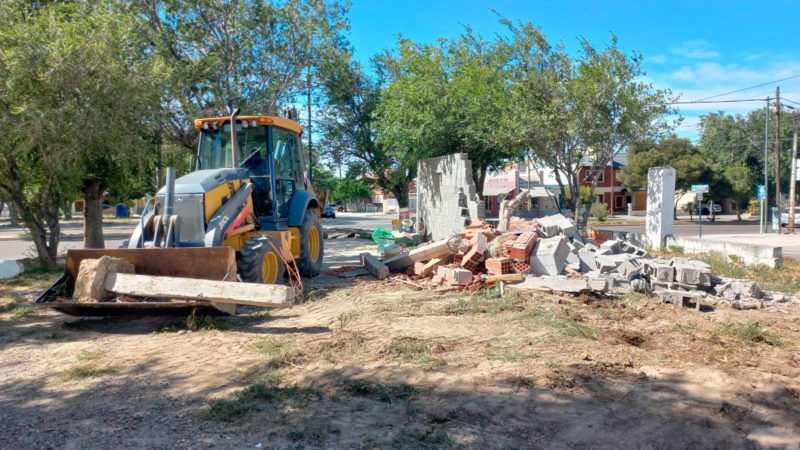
(790,101)
(751,87)
(718,101)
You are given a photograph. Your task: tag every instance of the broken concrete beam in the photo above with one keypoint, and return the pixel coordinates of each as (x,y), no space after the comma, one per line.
(399,263)
(90,283)
(254,294)
(499,266)
(549,256)
(378,269)
(438,249)
(559,284)
(598,284)
(520,249)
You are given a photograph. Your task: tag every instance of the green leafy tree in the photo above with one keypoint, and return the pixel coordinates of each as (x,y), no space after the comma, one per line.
(742,180)
(77,100)
(349,127)
(351,190)
(572,111)
(251,54)
(445,98)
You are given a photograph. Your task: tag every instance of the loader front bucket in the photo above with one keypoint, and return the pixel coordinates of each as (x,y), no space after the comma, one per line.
(208,263)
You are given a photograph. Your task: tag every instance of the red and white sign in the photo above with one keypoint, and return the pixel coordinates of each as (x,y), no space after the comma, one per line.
(500,183)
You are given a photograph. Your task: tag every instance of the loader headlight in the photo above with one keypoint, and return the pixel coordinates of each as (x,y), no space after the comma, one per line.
(205,125)
(253,123)
(245,124)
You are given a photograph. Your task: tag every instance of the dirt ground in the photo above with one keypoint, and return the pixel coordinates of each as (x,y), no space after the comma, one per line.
(363,364)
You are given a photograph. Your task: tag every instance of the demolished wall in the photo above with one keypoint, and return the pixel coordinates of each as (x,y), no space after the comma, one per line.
(447,198)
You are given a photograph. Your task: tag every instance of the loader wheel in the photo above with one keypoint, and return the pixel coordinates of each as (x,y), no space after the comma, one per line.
(258,261)
(311,245)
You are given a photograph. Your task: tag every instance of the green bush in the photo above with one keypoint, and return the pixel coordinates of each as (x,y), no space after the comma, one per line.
(599,211)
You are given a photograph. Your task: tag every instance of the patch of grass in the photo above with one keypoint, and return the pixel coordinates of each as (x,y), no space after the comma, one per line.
(486,304)
(16,311)
(85,371)
(689,327)
(91,356)
(386,393)
(431,438)
(225,323)
(279,352)
(520,383)
(676,248)
(750,333)
(412,349)
(247,399)
(313,430)
(537,318)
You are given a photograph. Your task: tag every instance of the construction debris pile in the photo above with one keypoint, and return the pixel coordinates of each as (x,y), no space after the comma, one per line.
(548,254)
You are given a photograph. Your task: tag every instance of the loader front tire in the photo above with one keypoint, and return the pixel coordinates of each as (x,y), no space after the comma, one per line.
(311,245)
(259,262)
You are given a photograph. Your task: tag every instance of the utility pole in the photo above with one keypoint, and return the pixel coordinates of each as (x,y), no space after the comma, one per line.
(310,148)
(778,153)
(792,200)
(765,201)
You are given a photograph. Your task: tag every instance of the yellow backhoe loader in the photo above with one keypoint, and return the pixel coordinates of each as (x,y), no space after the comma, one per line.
(244,212)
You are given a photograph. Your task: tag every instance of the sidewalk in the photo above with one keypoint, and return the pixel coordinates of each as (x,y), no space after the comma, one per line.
(110,230)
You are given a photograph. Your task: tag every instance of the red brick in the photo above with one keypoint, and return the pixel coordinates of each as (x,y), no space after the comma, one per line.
(521,248)
(499,266)
(522,267)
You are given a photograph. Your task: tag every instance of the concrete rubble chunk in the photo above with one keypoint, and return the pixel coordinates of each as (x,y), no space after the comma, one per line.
(612,245)
(557,223)
(371,264)
(90,283)
(9,268)
(549,256)
(561,284)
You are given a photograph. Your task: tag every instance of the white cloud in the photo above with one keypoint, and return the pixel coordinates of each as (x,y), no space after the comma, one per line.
(657,59)
(698,49)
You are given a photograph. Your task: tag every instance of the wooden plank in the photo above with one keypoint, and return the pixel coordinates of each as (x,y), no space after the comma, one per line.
(193,289)
(505,277)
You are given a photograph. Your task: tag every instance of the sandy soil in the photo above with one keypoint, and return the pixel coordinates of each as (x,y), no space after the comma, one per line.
(365,365)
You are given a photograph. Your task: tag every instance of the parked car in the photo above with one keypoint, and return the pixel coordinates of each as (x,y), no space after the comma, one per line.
(717,209)
(785,217)
(329,212)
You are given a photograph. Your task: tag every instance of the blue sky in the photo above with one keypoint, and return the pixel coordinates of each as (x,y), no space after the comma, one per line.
(696,48)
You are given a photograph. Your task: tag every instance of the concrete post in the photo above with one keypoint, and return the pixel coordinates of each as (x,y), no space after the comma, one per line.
(660,198)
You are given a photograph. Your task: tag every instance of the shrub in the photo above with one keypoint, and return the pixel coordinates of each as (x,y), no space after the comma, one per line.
(600,211)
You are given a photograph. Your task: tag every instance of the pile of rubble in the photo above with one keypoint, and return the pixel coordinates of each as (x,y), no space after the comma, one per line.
(548,254)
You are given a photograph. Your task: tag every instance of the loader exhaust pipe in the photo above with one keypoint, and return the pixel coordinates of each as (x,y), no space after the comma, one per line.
(234,141)
(169,194)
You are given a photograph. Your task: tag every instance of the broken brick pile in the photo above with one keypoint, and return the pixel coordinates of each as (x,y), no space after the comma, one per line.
(549,254)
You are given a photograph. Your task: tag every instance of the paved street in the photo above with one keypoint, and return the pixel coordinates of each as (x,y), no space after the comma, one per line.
(17,248)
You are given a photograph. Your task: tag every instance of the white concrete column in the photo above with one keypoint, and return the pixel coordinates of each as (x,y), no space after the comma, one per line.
(660,205)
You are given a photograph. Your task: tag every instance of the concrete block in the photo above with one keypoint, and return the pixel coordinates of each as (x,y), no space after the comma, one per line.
(9,268)
(459,277)
(549,256)
(564,225)
(629,269)
(587,259)
(612,245)
(605,264)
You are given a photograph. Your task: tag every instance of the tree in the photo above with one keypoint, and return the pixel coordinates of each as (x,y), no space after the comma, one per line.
(248,53)
(576,111)
(445,98)
(742,180)
(349,127)
(351,190)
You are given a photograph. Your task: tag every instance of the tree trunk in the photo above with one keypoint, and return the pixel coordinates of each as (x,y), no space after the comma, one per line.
(67,210)
(401,194)
(13,215)
(738,213)
(93,215)
(2,207)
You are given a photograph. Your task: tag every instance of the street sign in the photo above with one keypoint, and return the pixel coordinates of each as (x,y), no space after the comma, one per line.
(762,192)
(699,188)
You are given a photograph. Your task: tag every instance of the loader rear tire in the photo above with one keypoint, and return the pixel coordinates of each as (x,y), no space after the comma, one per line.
(259,262)
(312,248)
